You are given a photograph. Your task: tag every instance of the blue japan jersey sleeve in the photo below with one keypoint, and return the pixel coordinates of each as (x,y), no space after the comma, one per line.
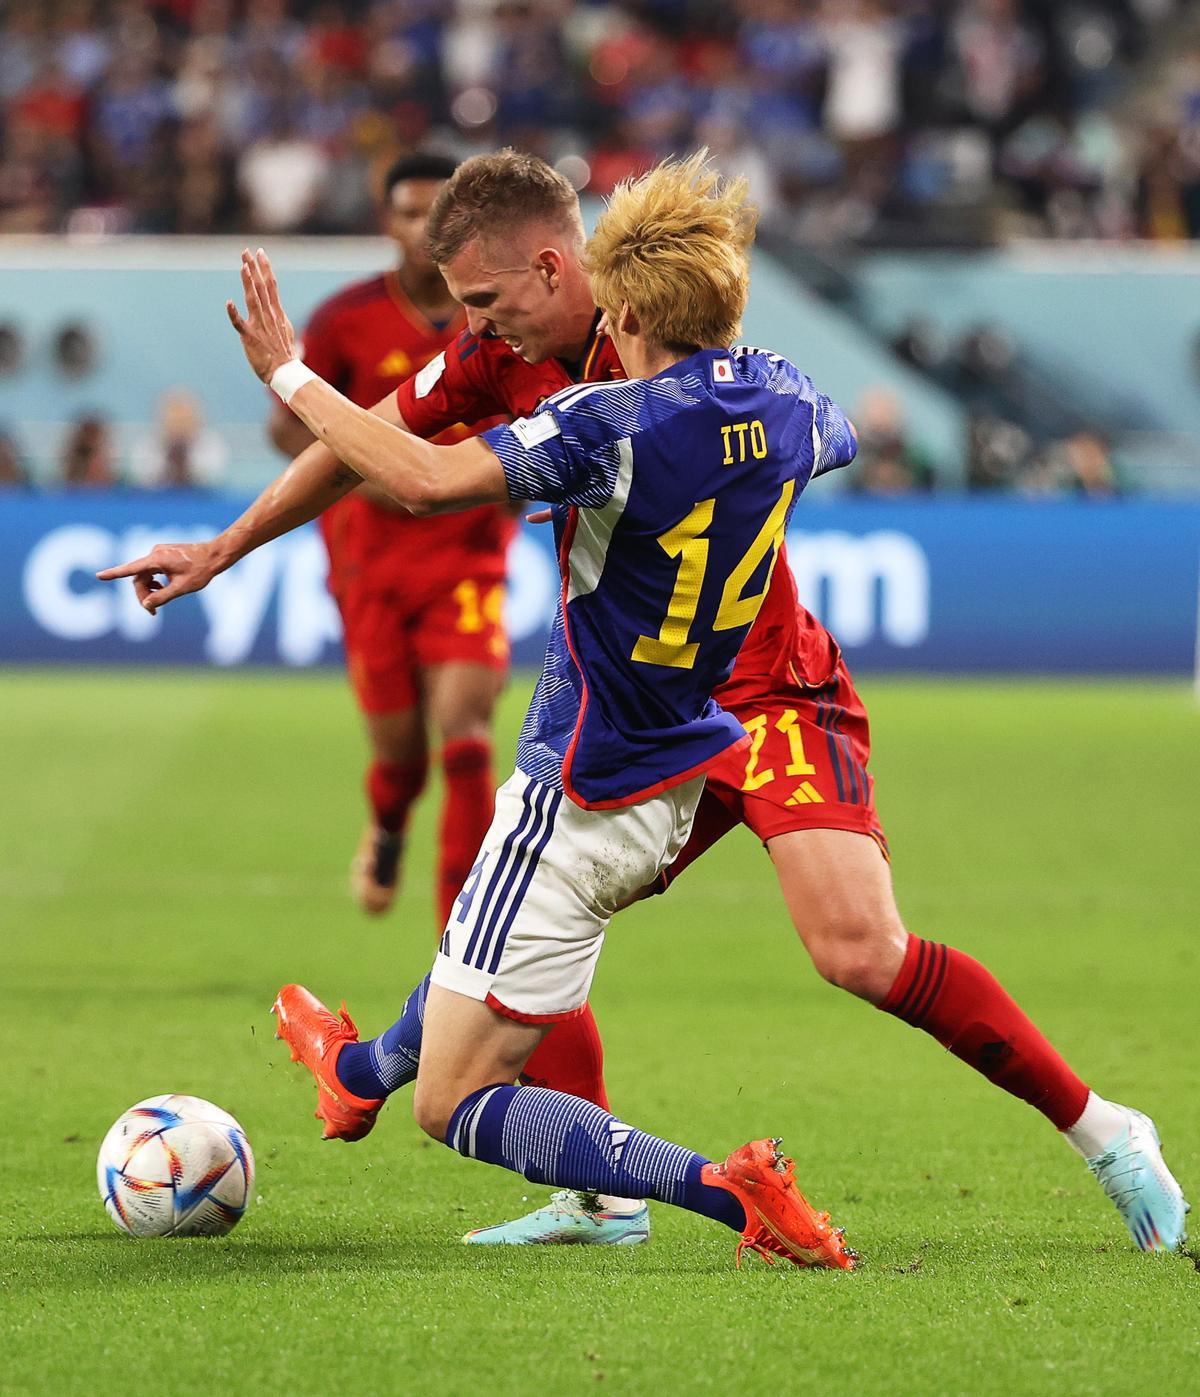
(671,499)
(569,452)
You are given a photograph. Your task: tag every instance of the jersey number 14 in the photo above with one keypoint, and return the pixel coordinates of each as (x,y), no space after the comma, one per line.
(687,542)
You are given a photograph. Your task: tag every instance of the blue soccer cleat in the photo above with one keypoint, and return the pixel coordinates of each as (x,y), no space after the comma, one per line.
(569,1219)
(1132,1172)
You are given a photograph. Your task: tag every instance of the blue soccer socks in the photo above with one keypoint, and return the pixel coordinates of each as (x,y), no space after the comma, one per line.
(563,1140)
(382,1065)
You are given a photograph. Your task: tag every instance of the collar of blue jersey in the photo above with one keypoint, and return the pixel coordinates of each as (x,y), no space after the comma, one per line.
(699,363)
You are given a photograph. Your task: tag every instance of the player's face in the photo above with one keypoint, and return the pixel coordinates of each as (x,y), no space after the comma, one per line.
(513,294)
(407,214)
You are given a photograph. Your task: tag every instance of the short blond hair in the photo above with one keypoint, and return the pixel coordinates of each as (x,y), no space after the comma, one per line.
(675,246)
(490,195)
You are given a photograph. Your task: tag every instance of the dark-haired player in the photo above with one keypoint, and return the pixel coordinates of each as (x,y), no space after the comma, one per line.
(420,599)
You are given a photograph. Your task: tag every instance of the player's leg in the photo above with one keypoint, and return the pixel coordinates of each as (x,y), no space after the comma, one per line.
(464,1098)
(386,689)
(520,953)
(460,702)
(838,889)
(459,643)
(461,640)
(806,792)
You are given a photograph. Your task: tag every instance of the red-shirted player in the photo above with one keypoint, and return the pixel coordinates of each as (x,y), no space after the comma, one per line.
(507,233)
(420,599)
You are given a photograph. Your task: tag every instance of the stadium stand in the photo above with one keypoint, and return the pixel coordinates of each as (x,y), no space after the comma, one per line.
(904,123)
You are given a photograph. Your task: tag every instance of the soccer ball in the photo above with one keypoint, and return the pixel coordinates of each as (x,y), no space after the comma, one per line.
(175,1166)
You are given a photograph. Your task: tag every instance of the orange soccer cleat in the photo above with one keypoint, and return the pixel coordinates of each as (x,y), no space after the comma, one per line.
(316,1038)
(780,1221)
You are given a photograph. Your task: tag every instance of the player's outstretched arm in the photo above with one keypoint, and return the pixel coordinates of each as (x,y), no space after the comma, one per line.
(423,478)
(314,480)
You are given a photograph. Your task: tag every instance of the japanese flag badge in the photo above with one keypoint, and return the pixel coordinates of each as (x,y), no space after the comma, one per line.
(722,371)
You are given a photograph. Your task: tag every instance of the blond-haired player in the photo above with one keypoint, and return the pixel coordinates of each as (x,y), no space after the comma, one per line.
(663,526)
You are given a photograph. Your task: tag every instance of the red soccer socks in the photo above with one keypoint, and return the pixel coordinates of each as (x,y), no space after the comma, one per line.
(391,789)
(570,1058)
(957,1001)
(467,807)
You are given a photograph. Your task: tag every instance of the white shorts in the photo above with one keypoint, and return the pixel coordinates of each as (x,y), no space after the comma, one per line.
(526,930)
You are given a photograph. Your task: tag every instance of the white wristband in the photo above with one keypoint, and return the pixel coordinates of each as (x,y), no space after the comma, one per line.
(289,378)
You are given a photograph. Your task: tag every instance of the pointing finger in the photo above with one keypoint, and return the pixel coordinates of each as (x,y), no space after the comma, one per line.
(146,565)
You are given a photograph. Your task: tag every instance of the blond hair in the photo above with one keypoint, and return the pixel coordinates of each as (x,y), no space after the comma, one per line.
(490,195)
(674,245)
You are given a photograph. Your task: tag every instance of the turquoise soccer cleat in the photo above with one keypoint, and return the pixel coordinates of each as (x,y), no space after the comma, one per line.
(1132,1172)
(569,1219)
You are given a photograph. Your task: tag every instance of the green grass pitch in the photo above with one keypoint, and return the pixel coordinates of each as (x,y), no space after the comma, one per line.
(172,848)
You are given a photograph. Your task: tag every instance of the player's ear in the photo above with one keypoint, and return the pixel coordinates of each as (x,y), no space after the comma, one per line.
(627,321)
(548,264)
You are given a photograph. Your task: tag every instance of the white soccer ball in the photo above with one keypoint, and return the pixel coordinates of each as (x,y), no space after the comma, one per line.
(175,1166)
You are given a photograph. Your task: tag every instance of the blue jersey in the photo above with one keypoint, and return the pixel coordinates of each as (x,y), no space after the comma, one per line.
(671,496)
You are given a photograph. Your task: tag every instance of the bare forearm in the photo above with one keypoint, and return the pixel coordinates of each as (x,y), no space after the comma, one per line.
(404,467)
(315,480)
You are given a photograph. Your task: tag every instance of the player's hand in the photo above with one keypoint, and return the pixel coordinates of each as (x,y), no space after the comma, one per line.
(540,516)
(267,335)
(186,566)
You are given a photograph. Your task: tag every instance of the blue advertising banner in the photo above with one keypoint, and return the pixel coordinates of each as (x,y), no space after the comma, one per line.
(920,585)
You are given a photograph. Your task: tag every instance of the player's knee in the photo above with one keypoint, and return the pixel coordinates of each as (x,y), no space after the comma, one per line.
(859,951)
(432,1109)
(467,726)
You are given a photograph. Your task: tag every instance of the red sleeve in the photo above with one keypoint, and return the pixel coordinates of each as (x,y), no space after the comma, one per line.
(321,350)
(455,387)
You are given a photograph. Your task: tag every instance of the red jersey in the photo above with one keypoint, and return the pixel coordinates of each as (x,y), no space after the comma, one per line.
(364,341)
(478,377)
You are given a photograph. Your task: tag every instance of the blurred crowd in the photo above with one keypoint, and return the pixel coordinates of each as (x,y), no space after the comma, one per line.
(178,451)
(1001,457)
(874,120)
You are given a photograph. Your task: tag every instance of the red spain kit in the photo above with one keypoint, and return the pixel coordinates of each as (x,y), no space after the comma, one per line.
(413,592)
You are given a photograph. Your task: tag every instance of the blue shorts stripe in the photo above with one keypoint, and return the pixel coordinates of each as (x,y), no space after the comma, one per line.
(494,908)
(502,861)
(858,773)
(835,756)
(531,864)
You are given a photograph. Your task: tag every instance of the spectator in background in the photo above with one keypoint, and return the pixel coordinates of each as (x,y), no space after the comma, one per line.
(1080,464)
(996,452)
(887,462)
(1001,63)
(75,350)
(181,452)
(12,469)
(1168,183)
(87,461)
(863,95)
(281,178)
(1089,465)
(734,155)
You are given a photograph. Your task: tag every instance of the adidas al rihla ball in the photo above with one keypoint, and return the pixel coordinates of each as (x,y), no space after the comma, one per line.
(175,1166)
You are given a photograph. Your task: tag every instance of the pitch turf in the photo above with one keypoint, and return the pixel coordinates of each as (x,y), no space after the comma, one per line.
(172,848)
